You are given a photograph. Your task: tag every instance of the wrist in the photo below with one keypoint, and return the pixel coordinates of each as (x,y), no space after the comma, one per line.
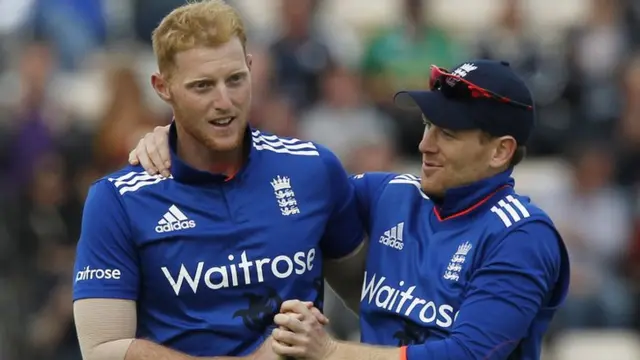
(252,356)
(333,349)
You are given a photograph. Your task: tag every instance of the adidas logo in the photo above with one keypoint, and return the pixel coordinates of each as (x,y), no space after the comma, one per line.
(174,220)
(393,237)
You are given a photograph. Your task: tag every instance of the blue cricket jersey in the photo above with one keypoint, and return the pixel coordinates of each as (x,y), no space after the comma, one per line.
(477,276)
(208,259)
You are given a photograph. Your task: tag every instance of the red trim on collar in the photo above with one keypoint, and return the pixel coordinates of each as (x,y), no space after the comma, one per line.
(469,209)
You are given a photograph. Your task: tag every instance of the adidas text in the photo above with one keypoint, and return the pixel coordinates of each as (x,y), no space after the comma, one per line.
(178,225)
(239,273)
(392,243)
(174,220)
(401,301)
(89,274)
(393,237)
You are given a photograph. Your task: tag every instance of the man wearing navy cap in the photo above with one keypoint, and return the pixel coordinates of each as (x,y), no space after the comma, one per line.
(459,265)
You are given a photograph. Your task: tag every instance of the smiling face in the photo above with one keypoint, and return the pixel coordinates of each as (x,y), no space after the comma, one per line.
(456,158)
(204,74)
(210,93)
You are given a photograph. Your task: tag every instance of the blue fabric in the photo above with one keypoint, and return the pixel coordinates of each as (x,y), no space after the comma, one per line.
(483,283)
(209,261)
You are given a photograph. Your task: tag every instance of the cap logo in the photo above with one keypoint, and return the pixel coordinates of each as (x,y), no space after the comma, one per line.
(462,71)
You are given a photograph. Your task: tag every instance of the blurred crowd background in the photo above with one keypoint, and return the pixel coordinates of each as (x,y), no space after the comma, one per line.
(75,98)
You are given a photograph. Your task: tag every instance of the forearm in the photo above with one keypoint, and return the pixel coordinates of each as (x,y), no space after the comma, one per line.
(345,276)
(355,351)
(147,350)
(139,349)
(106,331)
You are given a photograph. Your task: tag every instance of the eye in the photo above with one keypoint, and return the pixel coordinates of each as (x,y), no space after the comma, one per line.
(202,85)
(235,79)
(448,134)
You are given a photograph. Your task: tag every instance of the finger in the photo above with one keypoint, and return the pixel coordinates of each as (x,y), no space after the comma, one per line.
(287,305)
(296,306)
(154,153)
(319,316)
(143,158)
(133,159)
(282,319)
(286,350)
(161,135)
(298,317)
(291,323)
(315,312)
(287,337)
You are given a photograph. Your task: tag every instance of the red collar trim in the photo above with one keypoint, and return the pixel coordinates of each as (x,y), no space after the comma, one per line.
(469,209)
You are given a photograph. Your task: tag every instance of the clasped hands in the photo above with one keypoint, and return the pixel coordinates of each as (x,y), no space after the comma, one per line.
(301,332)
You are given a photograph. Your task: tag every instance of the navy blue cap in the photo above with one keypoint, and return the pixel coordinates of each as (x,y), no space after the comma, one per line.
(490,115)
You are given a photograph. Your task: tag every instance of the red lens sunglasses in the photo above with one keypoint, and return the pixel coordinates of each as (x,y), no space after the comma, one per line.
(455,86)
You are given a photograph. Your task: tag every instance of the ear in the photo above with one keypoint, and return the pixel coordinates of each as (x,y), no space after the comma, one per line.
(249,61)
(161,86)
(503,151)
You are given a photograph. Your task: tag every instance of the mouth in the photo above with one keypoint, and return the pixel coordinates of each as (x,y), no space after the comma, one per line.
(222,122)
(430,164)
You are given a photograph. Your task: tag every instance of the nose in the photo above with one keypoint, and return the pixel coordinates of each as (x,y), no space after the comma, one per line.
(221,100)
(428,143)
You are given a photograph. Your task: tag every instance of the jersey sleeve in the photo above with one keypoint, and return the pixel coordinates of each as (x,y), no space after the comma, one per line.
(368,187)
(344,231)
(521,274)
(106,264)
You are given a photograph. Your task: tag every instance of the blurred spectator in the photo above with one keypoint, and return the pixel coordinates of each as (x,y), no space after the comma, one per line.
(594,219)
(632,263)
(372,157)
(300,54)
(278,116)
(628,169)
(629,129)
(398,58)
(262,84)
(127,119)
(76,28)
(34,116)
(632,19)
(47,222)
(596,52)
(343,120)
(511,39)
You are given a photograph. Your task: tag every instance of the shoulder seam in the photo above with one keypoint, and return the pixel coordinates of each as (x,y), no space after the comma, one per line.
(276,144)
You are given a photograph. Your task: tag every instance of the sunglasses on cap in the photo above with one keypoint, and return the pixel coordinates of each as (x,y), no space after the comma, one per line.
(454,86)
